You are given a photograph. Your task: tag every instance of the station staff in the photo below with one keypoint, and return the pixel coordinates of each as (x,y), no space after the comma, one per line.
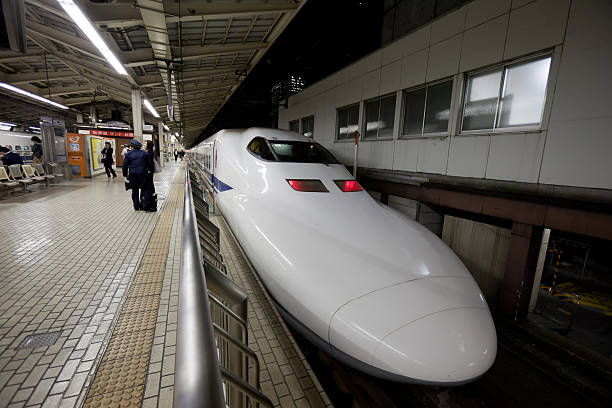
(137,165)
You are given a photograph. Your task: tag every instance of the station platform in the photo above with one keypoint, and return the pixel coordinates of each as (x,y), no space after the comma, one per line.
(89,299)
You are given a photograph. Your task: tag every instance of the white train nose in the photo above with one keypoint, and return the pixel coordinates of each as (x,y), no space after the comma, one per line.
(431,330)
(453,346)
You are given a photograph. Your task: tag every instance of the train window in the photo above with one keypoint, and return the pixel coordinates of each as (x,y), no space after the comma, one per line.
(302,152)
(259,148)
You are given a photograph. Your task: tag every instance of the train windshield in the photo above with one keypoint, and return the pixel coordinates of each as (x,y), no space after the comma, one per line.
(301,152)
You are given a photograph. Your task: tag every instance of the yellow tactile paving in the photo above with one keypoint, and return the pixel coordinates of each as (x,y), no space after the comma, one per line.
(136,321)
(116,375)
(120,378)
(131,343)
(146,289)
(129,397)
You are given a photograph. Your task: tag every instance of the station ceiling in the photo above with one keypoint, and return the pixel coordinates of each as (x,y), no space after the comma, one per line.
(208,46)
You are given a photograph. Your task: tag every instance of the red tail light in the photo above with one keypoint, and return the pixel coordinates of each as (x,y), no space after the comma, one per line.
(308,185)
(348,185)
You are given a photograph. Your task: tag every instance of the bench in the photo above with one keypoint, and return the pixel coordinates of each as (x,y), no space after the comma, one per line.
(29,172)
(40,171)
(5,182)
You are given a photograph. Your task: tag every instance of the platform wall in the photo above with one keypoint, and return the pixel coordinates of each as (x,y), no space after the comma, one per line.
(571,147)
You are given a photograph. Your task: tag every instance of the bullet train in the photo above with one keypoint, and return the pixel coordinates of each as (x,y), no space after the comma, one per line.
(366,284)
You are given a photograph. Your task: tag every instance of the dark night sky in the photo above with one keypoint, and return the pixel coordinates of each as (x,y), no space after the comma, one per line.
(323,37)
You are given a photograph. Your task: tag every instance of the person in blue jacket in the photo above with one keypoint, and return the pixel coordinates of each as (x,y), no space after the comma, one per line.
(137,165)
(9,157)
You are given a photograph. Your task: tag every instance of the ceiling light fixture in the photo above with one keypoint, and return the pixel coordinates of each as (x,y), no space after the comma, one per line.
(151,108)
(31,95)
(7,124)
(88,29)
(166,127)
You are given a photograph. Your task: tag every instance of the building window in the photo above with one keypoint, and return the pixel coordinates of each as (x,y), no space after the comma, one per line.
(294,126)
(347,123)
(379,117)
(427,110)
(509,97)
(308,127)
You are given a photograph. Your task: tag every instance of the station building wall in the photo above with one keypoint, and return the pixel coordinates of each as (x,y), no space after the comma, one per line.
(571,145)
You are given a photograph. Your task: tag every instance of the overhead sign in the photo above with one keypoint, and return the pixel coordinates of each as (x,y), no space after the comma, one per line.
(111,133)
(148,128)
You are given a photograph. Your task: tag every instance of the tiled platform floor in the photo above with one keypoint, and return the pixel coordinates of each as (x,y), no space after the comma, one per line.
(67,255)
(286,377)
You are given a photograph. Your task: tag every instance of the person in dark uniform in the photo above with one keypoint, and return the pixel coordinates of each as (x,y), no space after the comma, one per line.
(149,184)
(175,154)
(37,150)
(136,167)
(107,159)
(9,158)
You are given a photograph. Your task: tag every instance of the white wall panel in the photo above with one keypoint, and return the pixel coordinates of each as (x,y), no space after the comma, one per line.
(432,155)
(382,154)
(589,26)
(414,69)
(447,26)
(390,76)
(392,52)
(416,40)
(371,85)
(468,156)
(536,26)
(369,63)
(516,157)
(348,93)
(406,155)
(365,153)
(484,44)
(584,86)
(577,153)
(480,11)
(444,58)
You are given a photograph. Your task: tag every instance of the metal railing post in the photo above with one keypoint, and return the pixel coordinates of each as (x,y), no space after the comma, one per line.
(198,379)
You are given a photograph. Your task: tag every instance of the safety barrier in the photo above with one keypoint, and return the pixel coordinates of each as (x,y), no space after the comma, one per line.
(214,365)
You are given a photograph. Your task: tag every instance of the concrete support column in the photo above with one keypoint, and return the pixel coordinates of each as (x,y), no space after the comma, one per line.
(79,117)
(160,133)
(137,118)
(93,115)
(539,269)
(515,291)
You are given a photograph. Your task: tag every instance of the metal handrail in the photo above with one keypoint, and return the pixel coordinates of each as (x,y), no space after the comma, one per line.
(198,375)
(240,346)
(246,388)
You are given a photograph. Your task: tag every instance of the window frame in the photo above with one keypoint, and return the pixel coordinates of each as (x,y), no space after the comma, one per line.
(502,67)
(346,107)
(259,157)
(364,125)
(426,87)
(301,133)
(298,125)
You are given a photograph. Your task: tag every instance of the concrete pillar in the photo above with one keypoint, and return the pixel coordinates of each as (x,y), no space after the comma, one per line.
(137,114)
(515,291)
(93,115)
(539,269)
(79,117)
(160,133)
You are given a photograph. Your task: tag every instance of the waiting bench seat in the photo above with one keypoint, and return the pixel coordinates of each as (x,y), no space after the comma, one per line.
(5,182)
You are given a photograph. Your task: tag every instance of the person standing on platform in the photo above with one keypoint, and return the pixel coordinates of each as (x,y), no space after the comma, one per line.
(149,184)
(107,159)
(37,151)
(175,154)
(124,151)
(136,166)
(9,158)
(182,154)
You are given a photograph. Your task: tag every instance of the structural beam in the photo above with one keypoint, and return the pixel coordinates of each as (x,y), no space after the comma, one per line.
(146,57)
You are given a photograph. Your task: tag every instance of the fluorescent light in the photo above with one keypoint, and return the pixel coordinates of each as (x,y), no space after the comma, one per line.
(88,29)
(31,95)
(166,127)
(151,108)
(7,124)
(34,127)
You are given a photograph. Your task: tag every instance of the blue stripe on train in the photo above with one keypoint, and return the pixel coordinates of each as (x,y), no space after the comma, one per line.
(219,185)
